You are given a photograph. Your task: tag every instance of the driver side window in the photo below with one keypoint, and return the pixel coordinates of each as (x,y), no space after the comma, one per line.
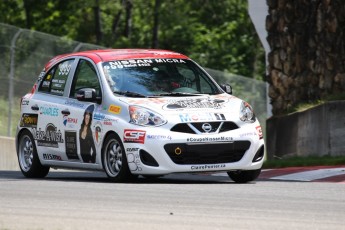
(195,80)
(85,77)
(188,77)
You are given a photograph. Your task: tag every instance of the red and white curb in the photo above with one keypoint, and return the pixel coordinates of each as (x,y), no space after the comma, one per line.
(315,173)
(334,174)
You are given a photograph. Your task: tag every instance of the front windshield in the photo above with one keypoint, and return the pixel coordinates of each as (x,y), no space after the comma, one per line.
(151,77)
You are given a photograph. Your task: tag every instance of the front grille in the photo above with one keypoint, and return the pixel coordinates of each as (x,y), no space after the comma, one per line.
(196,127)
(214,125)
(182,128)
(207,153)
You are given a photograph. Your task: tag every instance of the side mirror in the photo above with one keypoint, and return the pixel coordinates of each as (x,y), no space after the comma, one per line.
(88,94)
(227,88)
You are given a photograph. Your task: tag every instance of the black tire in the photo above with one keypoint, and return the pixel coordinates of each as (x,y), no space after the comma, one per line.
(244,176)
(115,161)
(28,160)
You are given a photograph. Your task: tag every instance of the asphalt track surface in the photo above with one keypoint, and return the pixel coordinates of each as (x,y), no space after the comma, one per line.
(292,198)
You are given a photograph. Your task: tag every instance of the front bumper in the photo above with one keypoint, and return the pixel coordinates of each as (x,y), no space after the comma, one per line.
(165,152)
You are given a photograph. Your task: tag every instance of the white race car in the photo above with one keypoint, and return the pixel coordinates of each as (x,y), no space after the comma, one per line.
(135,112)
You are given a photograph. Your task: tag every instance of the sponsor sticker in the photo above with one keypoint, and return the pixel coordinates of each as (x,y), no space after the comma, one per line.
(207,167)
(64,68)
(141,62)
(259,130)
(48,156)
(69,121)
(133,160)
(159,137)
(108,123)
(25,102)
(132,149)
(209,139)
(202,103)
(186,117)
(134,136)
(71,144)
(130,63)
(114,109)
(50,137)
(74,103)
(98,116)
(29,120)
(249,134)
(46,84)
(98,132)
(49,111)
(41,75)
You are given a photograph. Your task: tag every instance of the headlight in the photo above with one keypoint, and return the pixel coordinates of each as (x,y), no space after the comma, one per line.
(145,117)
(246,113)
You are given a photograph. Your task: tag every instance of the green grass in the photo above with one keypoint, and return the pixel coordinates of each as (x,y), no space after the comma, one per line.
(305,161)
(4,112)
(305,106)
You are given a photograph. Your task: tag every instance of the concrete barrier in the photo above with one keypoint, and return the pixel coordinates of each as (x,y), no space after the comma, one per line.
(8,156)
(315,132)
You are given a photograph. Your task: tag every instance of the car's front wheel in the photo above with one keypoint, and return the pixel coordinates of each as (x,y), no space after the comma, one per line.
(244,176)
(29,162)
(114,160)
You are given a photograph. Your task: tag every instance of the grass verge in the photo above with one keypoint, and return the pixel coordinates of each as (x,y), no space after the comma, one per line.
(308,105)
(305,161)
(4,114)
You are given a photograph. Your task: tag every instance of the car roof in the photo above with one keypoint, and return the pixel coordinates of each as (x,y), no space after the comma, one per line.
(118,54)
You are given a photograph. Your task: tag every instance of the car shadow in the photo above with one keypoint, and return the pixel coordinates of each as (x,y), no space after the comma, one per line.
(100,177)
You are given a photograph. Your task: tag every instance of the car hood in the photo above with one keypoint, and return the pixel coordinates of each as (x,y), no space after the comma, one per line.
(168,105)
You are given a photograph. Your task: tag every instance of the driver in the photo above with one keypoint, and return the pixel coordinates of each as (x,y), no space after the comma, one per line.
(163,82)
(163,86)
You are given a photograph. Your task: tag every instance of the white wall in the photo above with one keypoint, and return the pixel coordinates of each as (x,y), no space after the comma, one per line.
(8,155)
(258,11)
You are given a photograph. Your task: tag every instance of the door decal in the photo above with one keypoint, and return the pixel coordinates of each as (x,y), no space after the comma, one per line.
(71,145)
(87,145)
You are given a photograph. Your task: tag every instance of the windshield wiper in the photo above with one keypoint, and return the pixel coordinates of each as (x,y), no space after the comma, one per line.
(177,94)
(129,94)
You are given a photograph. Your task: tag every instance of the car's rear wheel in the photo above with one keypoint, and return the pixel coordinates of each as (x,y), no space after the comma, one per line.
(244,176)
(29,162)
(114,160)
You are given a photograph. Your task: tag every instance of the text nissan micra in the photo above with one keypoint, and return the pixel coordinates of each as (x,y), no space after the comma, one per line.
(135,112)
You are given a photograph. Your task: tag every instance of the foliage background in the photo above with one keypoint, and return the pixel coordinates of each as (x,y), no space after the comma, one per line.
(216,34)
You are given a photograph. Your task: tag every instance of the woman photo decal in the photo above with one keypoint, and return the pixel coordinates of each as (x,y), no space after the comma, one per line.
(87,145)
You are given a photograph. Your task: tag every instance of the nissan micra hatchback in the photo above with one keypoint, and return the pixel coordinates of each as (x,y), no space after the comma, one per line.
(135,112)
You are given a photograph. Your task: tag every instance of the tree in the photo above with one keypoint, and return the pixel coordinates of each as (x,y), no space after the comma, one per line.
(155,24)
(98,23)
(217,34)
(128,27)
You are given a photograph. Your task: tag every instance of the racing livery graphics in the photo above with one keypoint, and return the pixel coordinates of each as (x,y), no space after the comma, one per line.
(136,112)
(28,120)
(50,137)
